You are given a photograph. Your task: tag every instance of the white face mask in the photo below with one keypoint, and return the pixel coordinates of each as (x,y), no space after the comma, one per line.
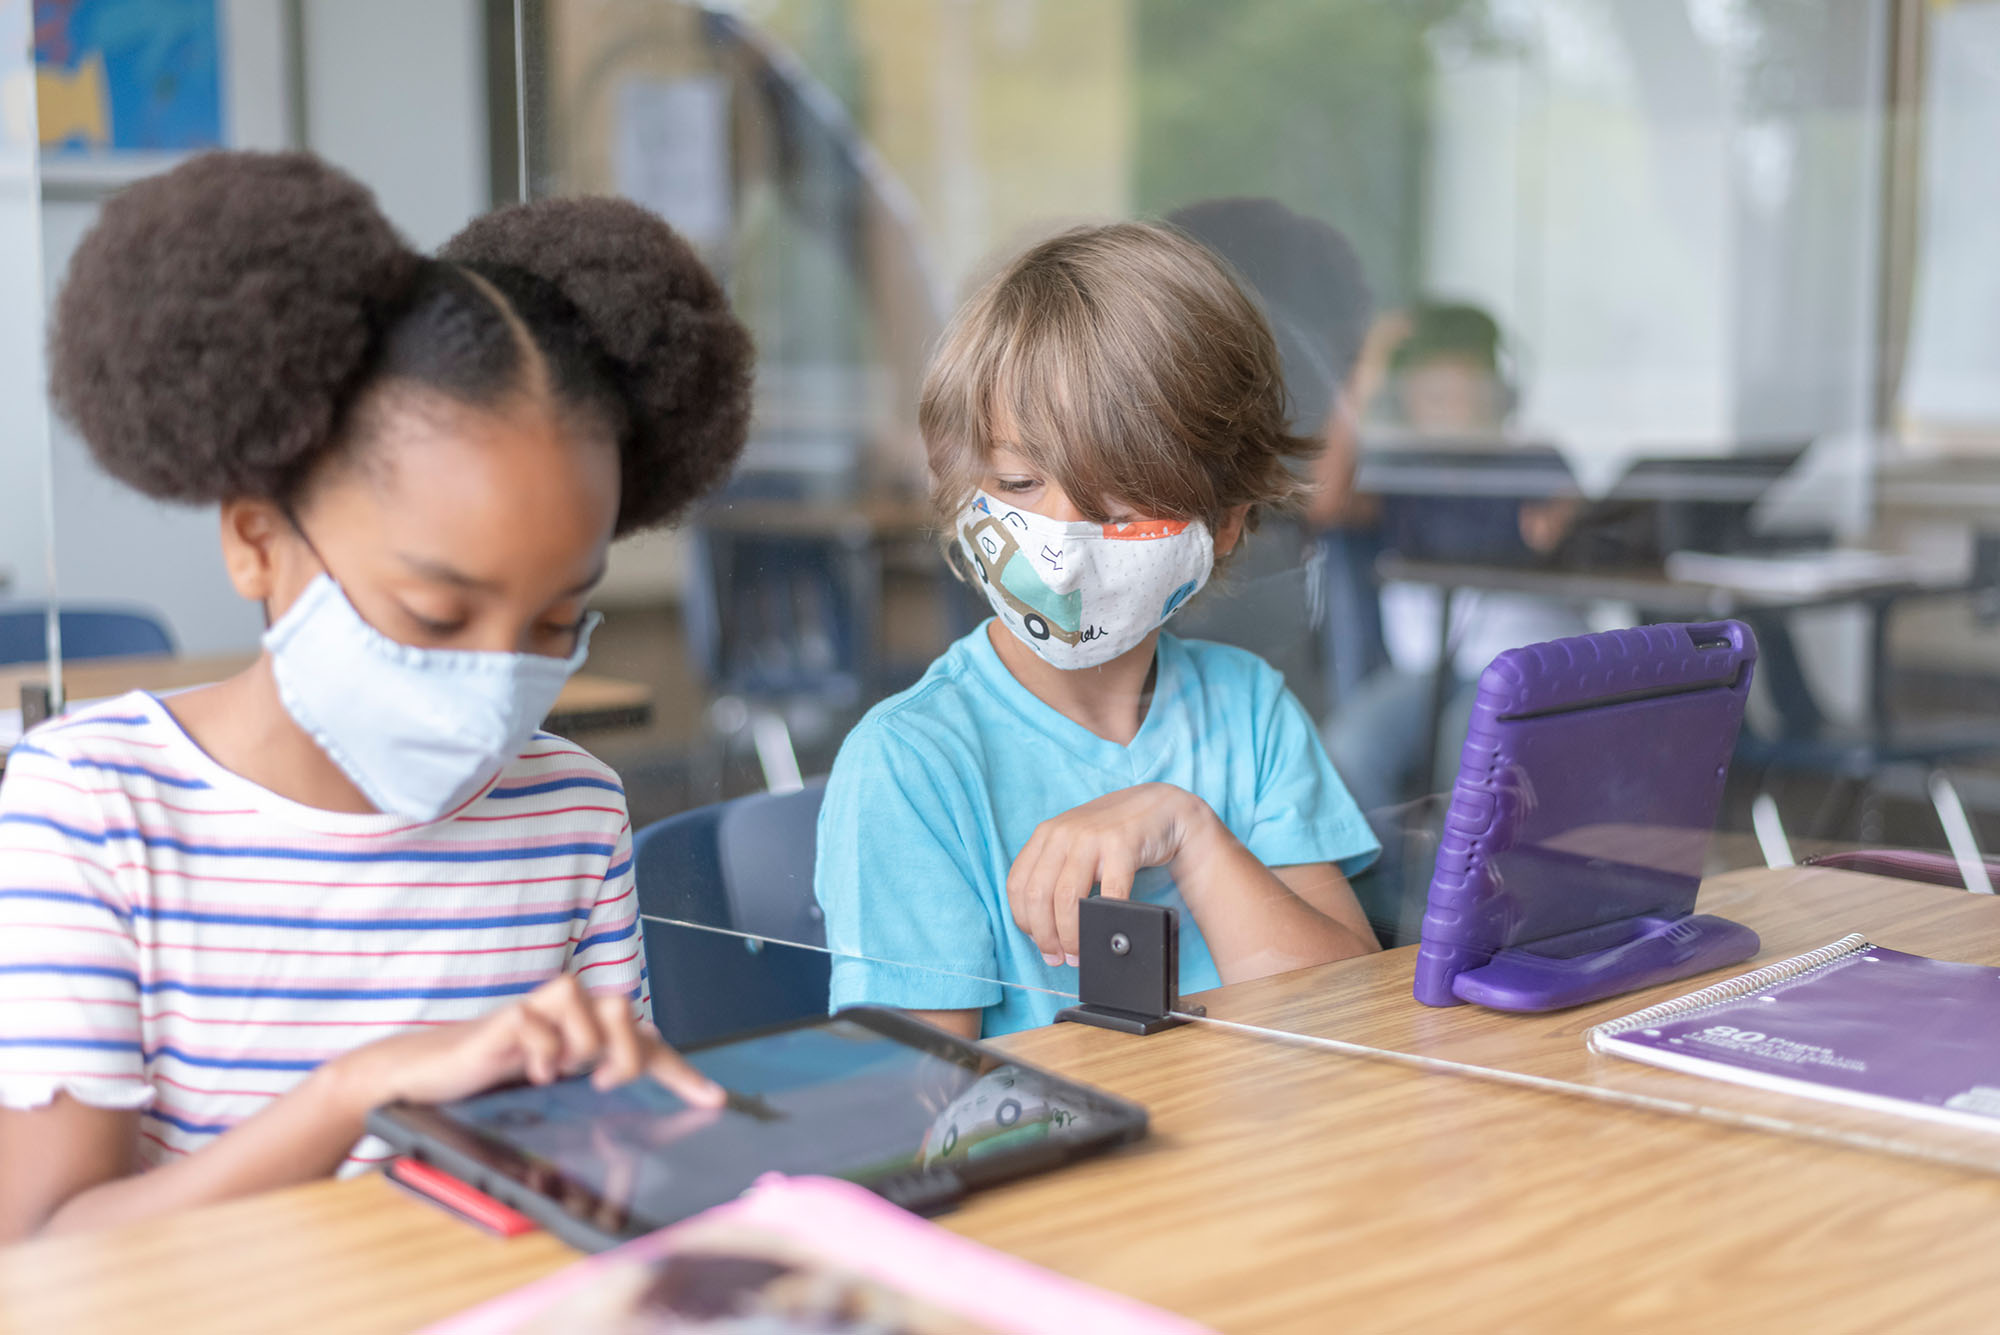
(418,731)
(1082,594)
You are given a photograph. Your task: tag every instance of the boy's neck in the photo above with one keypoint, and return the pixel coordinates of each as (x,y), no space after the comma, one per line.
(1110,701)
(244,727)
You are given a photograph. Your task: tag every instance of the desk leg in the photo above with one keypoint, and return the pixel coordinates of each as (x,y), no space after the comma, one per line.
(1440,690)
(1878,670)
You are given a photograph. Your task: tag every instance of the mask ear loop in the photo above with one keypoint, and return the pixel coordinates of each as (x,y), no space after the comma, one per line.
(292,520)
(953,562)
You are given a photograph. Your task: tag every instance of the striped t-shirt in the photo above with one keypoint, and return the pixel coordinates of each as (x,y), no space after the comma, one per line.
(178,939)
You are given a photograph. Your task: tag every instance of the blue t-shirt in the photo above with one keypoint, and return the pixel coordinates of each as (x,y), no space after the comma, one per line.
(938,788)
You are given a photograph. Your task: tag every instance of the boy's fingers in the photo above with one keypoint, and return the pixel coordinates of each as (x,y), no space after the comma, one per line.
(1020,876)
(1038,917)
(1115,874)
(1066,928)
(1072,887)
(1028,892)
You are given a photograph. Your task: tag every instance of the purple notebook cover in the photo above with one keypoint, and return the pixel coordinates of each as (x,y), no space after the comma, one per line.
(1853,1023)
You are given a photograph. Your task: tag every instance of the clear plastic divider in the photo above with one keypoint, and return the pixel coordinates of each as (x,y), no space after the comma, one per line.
(1594,339)
(1589,316)
(28,662)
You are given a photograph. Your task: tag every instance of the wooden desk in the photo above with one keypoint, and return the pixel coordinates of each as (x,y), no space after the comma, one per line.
(1283,1190)
(1367,1001)
(586,701)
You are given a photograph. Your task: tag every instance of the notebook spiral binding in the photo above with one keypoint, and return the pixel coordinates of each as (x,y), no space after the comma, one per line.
(1732,989)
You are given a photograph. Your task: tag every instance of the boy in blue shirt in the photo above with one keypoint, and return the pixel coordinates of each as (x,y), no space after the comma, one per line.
(1104,419)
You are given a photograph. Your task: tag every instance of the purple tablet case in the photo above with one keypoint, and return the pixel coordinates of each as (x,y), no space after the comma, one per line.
(1580,821)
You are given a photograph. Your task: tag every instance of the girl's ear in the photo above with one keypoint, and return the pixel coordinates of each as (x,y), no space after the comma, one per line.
(1231,531)
(254,532)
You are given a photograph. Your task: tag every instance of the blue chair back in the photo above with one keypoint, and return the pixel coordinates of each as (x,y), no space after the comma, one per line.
(87,632)
(745,865)
(1395,889)
(1353,645)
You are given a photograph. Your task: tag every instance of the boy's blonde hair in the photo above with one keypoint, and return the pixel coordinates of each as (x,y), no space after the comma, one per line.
(1131,366)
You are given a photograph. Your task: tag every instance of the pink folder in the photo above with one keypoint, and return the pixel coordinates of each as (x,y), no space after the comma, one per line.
(844,1230)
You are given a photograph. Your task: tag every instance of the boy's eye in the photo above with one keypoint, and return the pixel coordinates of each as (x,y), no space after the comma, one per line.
(1012,485)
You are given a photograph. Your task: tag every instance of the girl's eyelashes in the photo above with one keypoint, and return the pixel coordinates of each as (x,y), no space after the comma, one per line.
(436,628)
(558,638)
(432,626)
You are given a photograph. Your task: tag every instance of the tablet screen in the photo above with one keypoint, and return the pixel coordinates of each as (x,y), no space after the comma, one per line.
(835,1098)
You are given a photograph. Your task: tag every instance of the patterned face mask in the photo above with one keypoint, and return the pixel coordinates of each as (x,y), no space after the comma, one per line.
(1082,594)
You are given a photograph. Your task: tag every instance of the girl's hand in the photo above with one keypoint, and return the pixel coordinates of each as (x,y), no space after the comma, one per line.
(1102,843)
(558,1030)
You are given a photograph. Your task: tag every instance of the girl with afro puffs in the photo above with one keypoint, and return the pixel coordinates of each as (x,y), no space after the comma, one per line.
(234,919)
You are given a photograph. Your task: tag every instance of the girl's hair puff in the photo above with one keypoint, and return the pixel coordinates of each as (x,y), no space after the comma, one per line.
(225,324)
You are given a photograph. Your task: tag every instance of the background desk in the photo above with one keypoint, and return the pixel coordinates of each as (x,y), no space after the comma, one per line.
(1647,589)
(1284,1190)
(586,702)
(1658,598)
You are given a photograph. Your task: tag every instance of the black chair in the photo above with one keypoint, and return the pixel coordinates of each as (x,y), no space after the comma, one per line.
(1851,760)
(734,882)
(782,629)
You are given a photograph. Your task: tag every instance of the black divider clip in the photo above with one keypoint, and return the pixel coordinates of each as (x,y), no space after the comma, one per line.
(1128,967)
(38,705)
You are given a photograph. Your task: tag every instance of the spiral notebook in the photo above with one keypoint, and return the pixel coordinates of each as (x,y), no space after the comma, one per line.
(1851,1022)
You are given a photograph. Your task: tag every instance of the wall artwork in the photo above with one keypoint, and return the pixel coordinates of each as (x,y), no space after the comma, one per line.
(127,75)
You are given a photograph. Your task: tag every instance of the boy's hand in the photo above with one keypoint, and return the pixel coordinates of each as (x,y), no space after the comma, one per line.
(1102,843)
(558,1030)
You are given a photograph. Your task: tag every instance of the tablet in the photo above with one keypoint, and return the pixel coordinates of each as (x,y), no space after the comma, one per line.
(870,1095)
(1590,780)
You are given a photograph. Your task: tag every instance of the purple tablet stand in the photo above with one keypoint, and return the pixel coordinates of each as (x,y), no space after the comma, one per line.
(1580,821)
